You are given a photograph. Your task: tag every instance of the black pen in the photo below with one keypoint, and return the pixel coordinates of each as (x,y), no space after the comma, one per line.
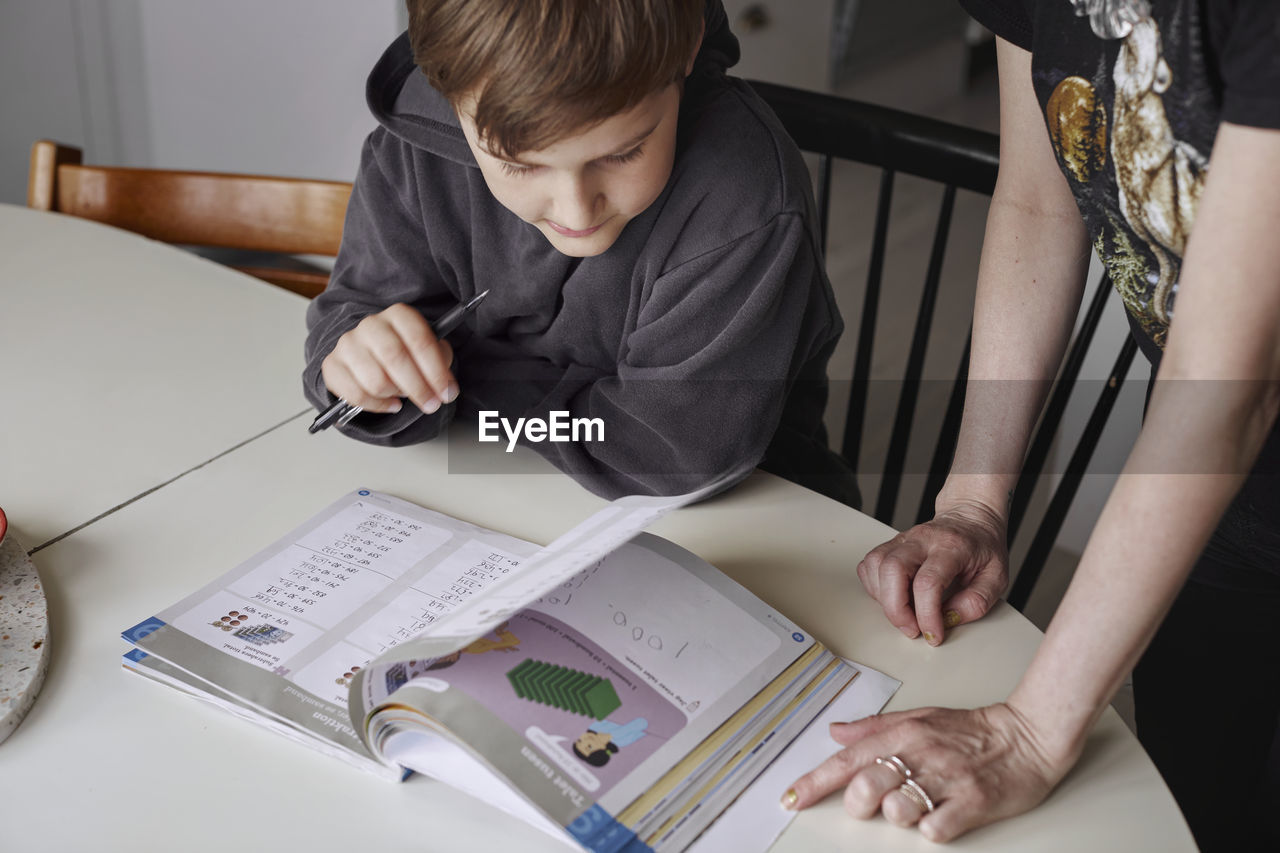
(341,412)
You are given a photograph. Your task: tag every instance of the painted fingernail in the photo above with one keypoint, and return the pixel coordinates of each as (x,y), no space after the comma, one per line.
(431,406)
(450,392)
(930,639)
(951,618)
(790,798)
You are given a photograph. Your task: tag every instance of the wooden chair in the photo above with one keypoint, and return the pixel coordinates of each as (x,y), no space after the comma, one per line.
(268,219)
(954,157)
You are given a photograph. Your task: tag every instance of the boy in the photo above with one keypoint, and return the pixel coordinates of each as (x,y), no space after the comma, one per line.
(642,223)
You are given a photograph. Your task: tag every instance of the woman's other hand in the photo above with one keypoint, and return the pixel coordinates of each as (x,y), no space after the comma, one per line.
(976,767)
(942,573)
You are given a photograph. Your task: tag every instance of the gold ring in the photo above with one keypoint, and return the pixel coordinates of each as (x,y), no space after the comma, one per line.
(897,764)
(912,791)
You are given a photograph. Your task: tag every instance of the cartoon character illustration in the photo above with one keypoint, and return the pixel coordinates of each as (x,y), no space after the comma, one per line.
(604,738)
(505,642)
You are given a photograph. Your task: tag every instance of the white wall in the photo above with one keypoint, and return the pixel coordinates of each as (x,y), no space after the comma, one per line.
(791,44)
(39,85)
(268,86)
(275,87)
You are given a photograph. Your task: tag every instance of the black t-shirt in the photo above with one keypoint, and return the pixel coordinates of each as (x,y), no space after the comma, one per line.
(1132,93)
(1143,85)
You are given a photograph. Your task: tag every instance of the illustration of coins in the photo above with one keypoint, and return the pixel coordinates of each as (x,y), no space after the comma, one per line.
(230,620)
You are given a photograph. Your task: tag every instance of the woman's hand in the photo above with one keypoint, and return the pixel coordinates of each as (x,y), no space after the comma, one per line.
(942,573)
(389,355)
(976,767)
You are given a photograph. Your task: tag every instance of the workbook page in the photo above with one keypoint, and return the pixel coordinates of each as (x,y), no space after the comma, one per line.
(591,693)
(292,628)
(289,628)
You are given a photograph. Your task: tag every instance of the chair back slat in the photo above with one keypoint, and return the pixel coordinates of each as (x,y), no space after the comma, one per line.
(824,200)
(1051,418)
(1060,503)
(260,222)
(948,433)
(856,410)
(193,208)
(909,394)
(308,283)
(882,136)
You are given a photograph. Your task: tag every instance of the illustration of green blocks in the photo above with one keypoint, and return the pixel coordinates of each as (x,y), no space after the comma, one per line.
(565,688)
(556,685)
(571,688)
(579,692)
(538,679)
(601,699)
(533,679)
(517,676)
(521,679)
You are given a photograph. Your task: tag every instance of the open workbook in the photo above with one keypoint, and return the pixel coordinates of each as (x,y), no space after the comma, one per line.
(611,688)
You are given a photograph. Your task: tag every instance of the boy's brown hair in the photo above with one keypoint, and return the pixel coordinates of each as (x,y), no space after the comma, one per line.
(542,70)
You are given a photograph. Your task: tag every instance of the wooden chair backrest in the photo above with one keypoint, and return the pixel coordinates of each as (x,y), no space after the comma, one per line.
(250,212)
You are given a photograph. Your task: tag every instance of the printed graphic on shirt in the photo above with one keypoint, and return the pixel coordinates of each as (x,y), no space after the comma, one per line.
(1126,98)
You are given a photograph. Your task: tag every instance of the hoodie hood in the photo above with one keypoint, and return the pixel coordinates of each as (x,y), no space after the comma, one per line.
(403,102)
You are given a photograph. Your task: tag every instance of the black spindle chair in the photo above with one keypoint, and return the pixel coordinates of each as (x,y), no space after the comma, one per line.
(958,158)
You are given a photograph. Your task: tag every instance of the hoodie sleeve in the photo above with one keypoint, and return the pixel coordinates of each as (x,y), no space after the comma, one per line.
(701,382)
(385,258)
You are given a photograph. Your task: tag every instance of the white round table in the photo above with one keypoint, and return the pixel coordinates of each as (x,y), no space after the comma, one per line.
(179,441)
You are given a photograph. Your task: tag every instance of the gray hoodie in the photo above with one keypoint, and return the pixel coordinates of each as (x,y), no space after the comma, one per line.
(699,338)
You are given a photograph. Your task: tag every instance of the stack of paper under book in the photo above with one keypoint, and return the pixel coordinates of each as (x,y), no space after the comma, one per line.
(611,688)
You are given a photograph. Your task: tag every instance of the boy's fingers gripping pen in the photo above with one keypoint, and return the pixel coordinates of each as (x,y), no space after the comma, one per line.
(328,417)
(341,412)
(345,417)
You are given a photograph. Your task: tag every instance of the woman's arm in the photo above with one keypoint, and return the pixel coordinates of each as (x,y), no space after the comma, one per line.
(1035,257)
(1214,403)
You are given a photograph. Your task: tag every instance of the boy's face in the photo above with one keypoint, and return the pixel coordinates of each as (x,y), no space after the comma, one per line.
(582,190)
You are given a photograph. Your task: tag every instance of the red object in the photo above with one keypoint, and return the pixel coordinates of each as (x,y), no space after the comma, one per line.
(4,525)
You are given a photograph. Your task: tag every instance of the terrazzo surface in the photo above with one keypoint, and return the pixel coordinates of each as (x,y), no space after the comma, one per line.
(24,634)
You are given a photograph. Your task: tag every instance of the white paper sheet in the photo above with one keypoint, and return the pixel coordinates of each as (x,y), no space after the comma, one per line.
(756,820)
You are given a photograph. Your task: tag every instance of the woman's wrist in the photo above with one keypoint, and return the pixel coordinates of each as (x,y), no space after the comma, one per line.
(1059,725)
(1041,742)
(987,495)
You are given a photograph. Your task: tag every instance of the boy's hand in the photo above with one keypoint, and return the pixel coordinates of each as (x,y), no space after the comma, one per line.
(390,355)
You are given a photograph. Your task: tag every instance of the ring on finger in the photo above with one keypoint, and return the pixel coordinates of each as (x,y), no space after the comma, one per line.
(897,764)
(912,791)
